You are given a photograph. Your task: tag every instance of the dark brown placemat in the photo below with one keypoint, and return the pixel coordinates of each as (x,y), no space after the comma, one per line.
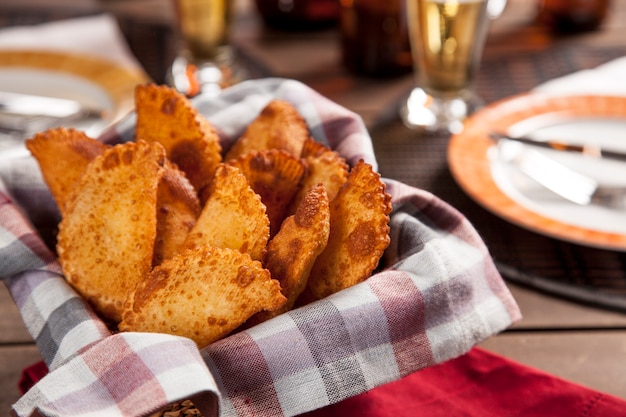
(577,272)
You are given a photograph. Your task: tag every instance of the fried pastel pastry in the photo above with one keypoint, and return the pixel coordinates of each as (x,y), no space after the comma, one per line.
(278,126)
(178,209)
(321,165)
(202,293)
(233,216)
(292,252)
(63,155)
(274,175)
(106,237)
(359,234)
(166,116)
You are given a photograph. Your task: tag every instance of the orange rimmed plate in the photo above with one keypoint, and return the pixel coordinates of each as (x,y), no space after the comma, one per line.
(92,81)
(501,188)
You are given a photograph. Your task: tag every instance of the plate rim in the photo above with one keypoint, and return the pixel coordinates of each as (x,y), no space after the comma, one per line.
(470,166)
(117,81)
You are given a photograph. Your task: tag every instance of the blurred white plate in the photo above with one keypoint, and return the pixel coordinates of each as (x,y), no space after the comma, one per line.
(91,81)
(501,188)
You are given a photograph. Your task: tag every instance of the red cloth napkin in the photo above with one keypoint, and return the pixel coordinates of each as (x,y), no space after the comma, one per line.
(477,384)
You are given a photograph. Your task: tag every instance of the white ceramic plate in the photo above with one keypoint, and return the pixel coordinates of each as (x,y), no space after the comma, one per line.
(91,81)
(501,188)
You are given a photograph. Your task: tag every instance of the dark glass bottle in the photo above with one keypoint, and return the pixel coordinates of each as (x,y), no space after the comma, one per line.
(299,14)
(374,37)
(572,16)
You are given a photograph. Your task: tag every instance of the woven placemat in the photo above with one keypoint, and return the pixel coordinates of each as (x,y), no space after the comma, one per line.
(577,272)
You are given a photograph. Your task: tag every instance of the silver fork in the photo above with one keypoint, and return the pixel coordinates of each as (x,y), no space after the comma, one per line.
(561,179)
(20,126)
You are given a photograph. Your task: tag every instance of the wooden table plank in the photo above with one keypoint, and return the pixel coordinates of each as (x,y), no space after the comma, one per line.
(544,312)
(12,329)
(593,358)
(574,341)
(12,360)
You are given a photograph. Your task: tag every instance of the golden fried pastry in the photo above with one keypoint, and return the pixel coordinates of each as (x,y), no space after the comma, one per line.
(292,252)
(178,209)
(163,235)
(321,165)
(106,237)
(359,234)
(63,155)
(233,216)
(203,294)
(278,126)
(274,175)
(166,116)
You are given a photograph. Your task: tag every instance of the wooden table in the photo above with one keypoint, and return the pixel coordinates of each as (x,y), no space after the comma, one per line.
(576,341)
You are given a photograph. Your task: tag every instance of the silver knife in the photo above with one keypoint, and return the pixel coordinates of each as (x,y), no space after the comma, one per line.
(560,179)
(589,150)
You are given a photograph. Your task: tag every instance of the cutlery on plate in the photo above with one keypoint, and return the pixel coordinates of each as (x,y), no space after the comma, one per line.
(23,113)
(36,105)
(589,150)
(560,179)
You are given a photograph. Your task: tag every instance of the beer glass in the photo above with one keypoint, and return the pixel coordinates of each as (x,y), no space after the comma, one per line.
(205,63)
(447,39)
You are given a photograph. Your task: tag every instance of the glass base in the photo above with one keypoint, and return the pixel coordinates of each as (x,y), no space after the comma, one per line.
(428,113)
(194,76)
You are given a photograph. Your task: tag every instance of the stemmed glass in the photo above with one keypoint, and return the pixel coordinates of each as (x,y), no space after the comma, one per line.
(206,61)
(447,39)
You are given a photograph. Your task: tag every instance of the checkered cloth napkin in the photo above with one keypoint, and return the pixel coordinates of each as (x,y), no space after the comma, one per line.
(436,295)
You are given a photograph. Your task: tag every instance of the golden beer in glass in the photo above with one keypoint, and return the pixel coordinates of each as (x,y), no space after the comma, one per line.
(447,39)
(206,63)
(204,26)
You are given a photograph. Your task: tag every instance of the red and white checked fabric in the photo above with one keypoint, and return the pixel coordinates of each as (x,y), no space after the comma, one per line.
(436,295)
